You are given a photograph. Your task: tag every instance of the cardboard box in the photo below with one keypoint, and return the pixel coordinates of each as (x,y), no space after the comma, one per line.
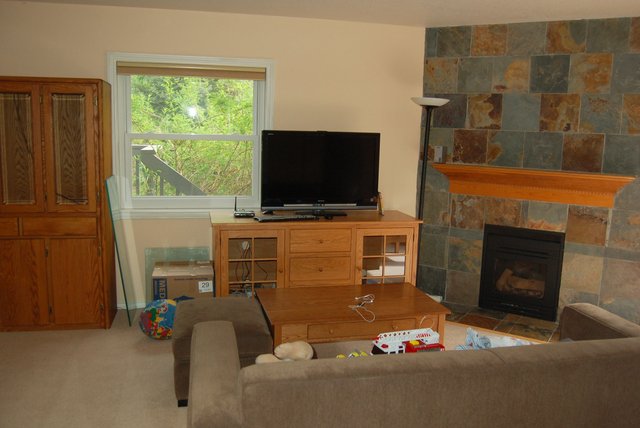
(183,280)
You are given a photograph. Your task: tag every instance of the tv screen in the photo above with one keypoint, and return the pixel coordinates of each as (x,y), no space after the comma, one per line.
(311,170)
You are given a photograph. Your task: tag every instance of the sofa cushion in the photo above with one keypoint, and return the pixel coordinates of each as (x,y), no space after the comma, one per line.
(252,332)
(571,384)
(249,327)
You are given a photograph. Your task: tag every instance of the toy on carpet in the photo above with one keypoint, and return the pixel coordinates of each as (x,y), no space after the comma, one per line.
(289,351)
(156,319)
(355,354)
(399,342)
(475,341)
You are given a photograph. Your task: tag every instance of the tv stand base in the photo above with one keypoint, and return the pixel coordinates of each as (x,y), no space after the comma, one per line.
(349,250)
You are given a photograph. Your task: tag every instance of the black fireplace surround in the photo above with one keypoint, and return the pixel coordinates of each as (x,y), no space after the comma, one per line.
(521,271)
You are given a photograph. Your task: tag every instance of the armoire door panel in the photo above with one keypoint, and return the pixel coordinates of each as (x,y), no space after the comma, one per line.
(9,226)
(75,278)
(69,127)
(20,149)
(23,283)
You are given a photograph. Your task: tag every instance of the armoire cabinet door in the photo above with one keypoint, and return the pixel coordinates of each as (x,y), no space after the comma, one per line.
(23,283)
(69,134)
(75,278)
(21,187)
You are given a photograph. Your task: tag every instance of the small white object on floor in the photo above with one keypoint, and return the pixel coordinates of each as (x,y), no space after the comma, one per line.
(294,351)
(267,358)
(476,341)
(436,298)
(290,351)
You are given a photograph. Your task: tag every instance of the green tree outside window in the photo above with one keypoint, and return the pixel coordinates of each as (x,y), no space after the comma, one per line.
(180,135)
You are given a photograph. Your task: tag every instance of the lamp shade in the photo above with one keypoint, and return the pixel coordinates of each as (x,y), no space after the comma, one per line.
(429,102)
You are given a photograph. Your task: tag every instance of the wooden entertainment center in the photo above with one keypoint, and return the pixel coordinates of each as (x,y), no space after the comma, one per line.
(363,247)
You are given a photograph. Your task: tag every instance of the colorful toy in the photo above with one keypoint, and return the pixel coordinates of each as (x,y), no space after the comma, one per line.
(420,346)
(394,342)
(156,319)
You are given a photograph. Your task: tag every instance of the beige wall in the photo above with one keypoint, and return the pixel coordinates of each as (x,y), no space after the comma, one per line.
(329,75)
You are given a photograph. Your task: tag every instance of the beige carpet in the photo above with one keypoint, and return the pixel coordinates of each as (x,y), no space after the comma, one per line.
(98,378)
(87,378)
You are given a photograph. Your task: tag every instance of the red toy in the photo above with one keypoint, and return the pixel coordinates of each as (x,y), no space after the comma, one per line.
(420,346)
(395,342)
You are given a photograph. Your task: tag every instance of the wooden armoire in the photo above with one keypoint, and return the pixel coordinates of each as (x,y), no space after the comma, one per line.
(56,242)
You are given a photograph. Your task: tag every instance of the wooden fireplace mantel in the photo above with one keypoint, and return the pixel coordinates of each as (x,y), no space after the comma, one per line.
(576,188)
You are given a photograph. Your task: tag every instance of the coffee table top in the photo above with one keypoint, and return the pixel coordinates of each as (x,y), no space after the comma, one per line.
(331,303)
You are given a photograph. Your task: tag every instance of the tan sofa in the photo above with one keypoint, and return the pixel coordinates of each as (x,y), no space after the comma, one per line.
(586,383)
(252,333)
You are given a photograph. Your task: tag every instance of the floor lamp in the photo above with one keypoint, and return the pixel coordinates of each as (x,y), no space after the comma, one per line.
(428,104)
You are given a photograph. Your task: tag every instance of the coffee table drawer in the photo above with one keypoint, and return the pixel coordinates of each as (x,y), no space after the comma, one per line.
(358,329)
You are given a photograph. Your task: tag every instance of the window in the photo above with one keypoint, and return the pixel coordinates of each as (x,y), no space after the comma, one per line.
(187,130)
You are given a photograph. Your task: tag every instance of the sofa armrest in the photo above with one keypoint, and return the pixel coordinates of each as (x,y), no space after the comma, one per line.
(213,380)
(584,321)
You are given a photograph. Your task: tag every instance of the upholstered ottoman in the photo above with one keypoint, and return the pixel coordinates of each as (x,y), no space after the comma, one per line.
(251,329)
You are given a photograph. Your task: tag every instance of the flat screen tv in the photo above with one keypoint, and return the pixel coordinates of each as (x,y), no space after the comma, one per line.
(319,170)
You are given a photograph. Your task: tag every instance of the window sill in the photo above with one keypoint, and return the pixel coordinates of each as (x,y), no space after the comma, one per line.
(157,213)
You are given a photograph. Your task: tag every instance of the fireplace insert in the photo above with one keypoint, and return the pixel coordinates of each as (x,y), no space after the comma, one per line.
(521,271)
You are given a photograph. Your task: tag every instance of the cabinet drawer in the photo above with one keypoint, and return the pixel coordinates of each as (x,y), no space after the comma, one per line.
(319,240)
(9,226)
(67,226)
(357,329)
(307,269)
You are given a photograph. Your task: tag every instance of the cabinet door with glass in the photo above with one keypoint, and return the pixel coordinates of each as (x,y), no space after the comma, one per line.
(251,259)
(69,134)
(21,165)
(385,256)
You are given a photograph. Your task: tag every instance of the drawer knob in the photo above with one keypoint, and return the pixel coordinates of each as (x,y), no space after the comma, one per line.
(320,269)
(330,331)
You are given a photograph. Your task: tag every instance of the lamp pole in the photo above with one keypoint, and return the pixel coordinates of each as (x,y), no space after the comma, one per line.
(429,104)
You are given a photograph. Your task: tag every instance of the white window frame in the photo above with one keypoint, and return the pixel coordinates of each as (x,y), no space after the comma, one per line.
(181,206)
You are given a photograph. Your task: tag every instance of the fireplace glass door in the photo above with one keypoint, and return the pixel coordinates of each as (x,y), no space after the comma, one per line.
(520,277)
(521,271)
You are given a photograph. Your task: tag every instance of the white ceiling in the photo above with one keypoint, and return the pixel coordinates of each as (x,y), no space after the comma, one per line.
(417,13)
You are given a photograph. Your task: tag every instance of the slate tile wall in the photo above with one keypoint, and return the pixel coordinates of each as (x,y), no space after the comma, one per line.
(559,95)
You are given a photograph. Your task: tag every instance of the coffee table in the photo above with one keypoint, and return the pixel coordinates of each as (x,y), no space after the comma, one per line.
(322,314)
